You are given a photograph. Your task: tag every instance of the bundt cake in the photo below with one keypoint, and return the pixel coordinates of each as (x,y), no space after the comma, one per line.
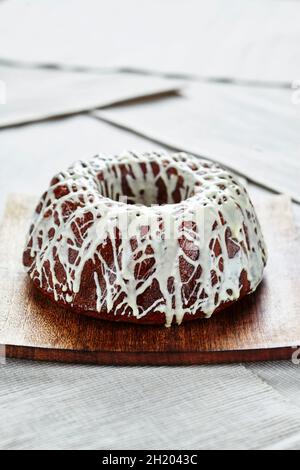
(146,238)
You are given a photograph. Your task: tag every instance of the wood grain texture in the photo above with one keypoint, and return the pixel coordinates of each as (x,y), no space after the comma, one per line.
(264,326)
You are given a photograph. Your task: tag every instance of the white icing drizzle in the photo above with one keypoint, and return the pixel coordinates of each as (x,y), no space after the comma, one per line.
(208,236)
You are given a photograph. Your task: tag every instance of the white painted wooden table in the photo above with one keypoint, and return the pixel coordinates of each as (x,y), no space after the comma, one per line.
(252,406)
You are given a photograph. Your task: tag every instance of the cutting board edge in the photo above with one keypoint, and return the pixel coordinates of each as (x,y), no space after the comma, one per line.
(151,358)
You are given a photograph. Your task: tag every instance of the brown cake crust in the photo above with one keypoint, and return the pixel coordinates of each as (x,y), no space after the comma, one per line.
(154,318)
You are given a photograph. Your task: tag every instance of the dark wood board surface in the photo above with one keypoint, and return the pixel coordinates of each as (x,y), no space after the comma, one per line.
(264,326)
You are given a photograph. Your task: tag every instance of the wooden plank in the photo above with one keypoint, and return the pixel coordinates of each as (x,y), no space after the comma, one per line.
(254,40)
(254,131)
(263,326)
(39,94)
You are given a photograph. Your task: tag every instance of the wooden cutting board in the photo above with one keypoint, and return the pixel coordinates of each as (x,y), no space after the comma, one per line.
(265,326)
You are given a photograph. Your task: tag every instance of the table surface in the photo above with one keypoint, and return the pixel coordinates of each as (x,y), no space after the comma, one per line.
(48,405)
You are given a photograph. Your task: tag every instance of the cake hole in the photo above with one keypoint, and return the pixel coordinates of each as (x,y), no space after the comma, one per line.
(148,183)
